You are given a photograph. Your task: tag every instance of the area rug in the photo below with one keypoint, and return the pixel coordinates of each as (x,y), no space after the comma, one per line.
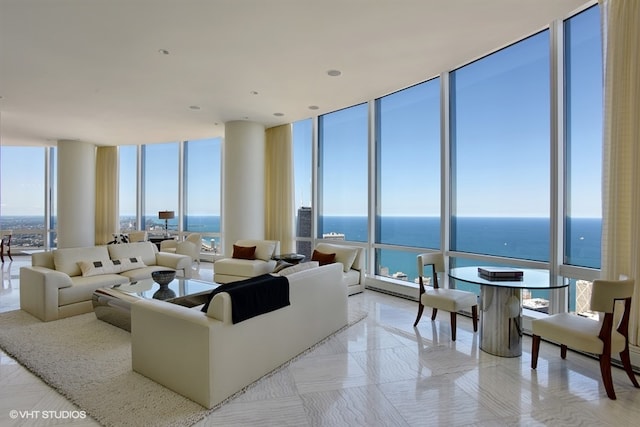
(89,362)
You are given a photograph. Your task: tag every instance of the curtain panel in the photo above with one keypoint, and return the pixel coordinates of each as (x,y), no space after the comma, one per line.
(621,147)
(279,216)
(107,221)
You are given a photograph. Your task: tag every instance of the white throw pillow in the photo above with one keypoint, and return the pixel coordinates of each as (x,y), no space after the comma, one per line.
(95,268)
(298,267)
(131,263)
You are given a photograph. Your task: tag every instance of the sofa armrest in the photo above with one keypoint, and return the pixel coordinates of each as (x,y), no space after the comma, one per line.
(39,291)
(163,334)
(175,261)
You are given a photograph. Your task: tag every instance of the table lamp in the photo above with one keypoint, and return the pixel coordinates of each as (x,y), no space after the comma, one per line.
(166,215)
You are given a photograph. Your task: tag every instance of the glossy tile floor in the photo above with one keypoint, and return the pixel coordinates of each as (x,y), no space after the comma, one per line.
(382,372)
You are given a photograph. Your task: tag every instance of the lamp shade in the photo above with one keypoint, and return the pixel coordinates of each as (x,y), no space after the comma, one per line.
(166,214)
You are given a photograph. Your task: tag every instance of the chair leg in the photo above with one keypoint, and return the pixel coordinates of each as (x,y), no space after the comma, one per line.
(434,312)
(563,351)
(453,325)
(605,370)
(420,310)
(626,362)
(474,315)
(535,348)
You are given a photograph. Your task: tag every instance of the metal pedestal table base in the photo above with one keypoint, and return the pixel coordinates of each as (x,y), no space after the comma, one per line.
(501,320)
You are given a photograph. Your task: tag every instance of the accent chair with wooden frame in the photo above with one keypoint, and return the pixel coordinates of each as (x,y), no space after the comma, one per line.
(444,298)
(597,337)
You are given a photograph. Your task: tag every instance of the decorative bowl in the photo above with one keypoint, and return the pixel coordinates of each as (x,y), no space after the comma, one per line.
(163,277)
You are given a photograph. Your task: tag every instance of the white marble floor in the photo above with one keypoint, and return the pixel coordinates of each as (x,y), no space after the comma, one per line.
(381,372)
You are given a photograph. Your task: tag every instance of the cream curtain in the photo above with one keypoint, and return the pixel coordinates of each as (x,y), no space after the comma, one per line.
(106,194)
(279,187)
(621,147)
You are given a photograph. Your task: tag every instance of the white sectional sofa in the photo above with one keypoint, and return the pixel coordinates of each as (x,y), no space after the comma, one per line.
(60,283)
(353,263)
(207,358)
(232,269)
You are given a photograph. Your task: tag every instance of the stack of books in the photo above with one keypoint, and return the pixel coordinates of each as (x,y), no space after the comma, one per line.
(500,273)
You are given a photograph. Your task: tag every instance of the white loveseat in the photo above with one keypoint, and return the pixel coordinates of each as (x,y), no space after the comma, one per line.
(232,269)
(207,358)
(54,286)
(353,263)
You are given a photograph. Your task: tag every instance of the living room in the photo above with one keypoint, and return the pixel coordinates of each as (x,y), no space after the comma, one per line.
(241,207)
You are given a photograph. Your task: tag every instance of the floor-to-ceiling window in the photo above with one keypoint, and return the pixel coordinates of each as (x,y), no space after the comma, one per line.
(202,191)
(343,174)
(22,190)
(500,144)
(160,185)
(407,178)
(128,187)
(303,185)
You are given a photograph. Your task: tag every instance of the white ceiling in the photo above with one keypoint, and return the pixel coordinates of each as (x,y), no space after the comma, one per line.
(91,70)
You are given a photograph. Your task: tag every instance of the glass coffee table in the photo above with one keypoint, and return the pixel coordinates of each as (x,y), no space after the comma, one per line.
(113,304)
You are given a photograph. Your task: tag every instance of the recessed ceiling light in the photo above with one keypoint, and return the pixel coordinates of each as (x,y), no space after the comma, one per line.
(334,73)
(313,107)
(194,107)
(253,92)
(163,51)
(278,114)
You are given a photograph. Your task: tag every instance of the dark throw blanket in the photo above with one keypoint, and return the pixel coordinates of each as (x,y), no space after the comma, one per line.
(254,296)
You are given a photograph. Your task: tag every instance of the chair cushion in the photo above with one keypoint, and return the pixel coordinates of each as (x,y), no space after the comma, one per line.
(448,299)
(243,267)
(345,255)
(577,332)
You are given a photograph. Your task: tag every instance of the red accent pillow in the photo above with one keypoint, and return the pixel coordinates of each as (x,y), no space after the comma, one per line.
(322,258)
(244,252)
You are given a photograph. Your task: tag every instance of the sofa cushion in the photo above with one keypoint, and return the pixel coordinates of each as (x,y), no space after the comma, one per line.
(299,267)
(344,255)
(244,252)
(243,267)
(66,260)
(145,250)
(82,287)
(323,258)
(95,268)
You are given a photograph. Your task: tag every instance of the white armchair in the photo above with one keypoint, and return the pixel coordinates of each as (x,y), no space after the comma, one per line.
(190,246)
(240,267)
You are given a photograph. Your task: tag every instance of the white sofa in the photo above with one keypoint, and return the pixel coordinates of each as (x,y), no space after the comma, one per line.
(353,263)
(232,269)
(54,286)
(207,358)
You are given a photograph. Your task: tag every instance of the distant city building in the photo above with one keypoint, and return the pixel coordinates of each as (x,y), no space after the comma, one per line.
(333,236)
(303,229)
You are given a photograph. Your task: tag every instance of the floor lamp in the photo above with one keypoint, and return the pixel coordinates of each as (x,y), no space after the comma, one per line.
(166,215)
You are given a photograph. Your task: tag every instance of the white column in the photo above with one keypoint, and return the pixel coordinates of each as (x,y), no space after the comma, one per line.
(76,194)
(243,158)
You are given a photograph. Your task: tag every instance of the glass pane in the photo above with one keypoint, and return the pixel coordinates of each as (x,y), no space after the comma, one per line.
(583,115)
(128,187)
(343,174)
(202,197)
(302,162)
(160,189)
(408,167)
(22,191)
(500,152)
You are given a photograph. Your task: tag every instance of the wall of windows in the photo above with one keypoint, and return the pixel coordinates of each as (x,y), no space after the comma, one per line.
(303,184)
(128,187)
(160,183)
(496,126)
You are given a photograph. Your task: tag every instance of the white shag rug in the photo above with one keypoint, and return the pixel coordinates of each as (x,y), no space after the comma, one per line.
(89,362)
